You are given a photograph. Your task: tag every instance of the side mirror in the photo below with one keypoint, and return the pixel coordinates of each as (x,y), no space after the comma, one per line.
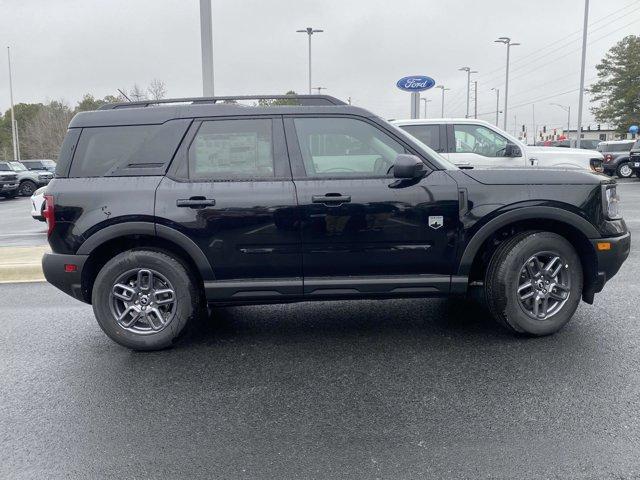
(511,150)
(409,166)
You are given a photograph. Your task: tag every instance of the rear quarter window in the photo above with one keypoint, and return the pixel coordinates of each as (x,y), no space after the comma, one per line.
(127,150)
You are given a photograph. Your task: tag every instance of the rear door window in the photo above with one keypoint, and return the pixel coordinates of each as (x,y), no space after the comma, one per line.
(427,134)
(126,150)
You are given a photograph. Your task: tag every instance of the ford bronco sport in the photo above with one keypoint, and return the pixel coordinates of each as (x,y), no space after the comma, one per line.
(160,208)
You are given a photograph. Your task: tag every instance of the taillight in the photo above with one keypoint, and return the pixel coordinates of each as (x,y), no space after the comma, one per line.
(49,214)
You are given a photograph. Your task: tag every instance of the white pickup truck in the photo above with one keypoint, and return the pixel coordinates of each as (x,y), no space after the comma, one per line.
(476,143)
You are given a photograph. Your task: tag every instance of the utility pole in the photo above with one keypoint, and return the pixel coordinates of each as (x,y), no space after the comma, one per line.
(566,108)
(14,133)
(497,105)
(475,99)
(425,105)
(582,67)
(442,87)
(507,41)
(206,46)
(533,124)
(469,72)
(309,31)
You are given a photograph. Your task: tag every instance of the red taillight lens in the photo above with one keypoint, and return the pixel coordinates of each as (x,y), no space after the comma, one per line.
(48,213)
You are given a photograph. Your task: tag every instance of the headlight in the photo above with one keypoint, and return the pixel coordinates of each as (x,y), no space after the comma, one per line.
(611,202)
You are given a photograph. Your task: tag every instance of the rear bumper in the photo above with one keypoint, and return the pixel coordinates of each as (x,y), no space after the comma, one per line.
(610,261)
(53,267)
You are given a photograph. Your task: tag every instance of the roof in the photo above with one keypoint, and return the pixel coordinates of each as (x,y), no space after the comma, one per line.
(157,112)
(430,121)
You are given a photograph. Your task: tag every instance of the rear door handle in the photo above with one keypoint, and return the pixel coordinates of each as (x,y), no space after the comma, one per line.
(195,202)
(331,199)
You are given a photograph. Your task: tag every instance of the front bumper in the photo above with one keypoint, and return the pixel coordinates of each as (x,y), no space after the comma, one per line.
(608,261)
(53,267)
(8,187)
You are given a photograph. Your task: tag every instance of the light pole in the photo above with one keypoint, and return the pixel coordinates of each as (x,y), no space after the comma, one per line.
(475,99)
(425,106)
(507,41)
(309,31)
(442,87)
(469,72)
(582,66)
(497,105)
(206,46)
(319,89)
(567,109)
(14,132)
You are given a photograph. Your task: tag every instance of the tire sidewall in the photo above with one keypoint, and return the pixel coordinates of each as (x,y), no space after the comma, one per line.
(515,313)
(172,270)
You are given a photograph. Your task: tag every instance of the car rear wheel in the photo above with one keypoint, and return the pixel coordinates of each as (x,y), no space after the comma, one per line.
(533,284)
(624,170)
(27,187)
(145,300)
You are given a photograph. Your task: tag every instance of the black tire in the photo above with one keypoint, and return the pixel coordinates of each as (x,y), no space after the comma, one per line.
(503,278)
(26,188)
(188,299)
(623,170)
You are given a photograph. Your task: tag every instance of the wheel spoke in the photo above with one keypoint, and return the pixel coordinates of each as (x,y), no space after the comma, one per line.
(544,301)
(557,296)
(145,280)
(123,292)
(549,267)
(155,318)
(130,316)
(163,297)
(536,305)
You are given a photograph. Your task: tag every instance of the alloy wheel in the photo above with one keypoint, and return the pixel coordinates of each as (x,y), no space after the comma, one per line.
(625,171)
(143,301)
(544,285)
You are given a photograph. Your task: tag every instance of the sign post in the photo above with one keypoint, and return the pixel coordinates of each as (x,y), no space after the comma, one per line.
(415,84)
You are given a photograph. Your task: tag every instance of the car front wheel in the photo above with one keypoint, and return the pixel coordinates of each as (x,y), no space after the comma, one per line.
(145,300)
(533,284)
(27,188)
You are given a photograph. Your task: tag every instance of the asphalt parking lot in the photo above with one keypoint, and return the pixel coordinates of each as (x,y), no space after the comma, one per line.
(17,228)
(367,389)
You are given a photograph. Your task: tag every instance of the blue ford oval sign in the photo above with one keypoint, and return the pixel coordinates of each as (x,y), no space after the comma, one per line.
(415,83)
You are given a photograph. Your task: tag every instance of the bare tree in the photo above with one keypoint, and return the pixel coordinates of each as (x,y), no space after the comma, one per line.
(157,89)
(136,93)
(43,135)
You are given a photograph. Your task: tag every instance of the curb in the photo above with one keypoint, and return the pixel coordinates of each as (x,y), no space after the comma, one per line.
(21,264)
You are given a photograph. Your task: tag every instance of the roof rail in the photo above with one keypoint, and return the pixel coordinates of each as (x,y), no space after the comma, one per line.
(303,100)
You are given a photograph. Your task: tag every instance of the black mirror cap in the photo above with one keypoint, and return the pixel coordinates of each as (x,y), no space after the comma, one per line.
(409,166)
(511,150)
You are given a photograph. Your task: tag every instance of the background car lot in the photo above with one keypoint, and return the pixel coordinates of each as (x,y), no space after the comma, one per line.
(393,389)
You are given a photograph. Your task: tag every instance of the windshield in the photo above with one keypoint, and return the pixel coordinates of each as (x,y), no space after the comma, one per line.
(432,153)
(17,166)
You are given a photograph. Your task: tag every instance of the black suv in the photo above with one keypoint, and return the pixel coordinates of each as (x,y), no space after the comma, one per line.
(616,157)
(634,157)
(158,210)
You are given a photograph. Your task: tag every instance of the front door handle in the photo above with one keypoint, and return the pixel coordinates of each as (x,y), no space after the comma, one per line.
(195,202)
(333,199)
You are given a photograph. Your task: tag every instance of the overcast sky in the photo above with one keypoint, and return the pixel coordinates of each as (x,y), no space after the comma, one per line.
(64,48)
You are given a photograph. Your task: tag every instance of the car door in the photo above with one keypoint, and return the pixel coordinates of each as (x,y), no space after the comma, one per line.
(478,146)
(230,190)
(363,231)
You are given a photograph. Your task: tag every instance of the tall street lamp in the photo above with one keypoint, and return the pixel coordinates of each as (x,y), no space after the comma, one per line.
(425,105)
(566,108)
(497,90)
(442,87)
(14,130)
(206,47)
(469,72)
(309,31)
(582,67)
(507,41)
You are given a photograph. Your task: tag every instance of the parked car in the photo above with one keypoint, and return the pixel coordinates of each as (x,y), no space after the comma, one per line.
(476,143)
(634,157)
(8,181)
(37,204)
(40,164)
(228,205)
(29,181)
(616,157)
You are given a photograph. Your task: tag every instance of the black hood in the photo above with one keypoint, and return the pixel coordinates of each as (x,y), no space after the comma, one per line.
(536,176)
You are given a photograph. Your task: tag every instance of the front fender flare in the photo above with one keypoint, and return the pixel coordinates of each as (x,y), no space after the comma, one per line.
(525,213)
